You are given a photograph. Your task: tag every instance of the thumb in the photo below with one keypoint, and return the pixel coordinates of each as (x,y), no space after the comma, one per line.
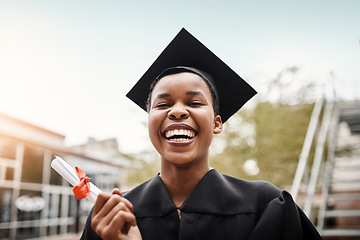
(116,191)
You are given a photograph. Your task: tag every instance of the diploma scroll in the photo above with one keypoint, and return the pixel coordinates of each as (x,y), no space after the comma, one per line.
(69,174)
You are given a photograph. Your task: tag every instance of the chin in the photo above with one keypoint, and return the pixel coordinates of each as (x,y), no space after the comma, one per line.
(181,160)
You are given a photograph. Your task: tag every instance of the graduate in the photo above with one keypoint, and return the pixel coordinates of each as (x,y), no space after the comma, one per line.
(189,93)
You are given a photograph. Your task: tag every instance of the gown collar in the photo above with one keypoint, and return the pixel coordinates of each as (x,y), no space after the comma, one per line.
(215,194)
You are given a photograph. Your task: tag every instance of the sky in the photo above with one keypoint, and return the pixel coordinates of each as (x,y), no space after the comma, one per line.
(67,65)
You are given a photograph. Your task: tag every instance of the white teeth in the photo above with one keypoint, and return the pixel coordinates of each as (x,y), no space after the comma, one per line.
(180,139)
(185,132)
(167,134)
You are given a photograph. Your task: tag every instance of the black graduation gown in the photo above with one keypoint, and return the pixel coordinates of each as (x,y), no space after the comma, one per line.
(220,207)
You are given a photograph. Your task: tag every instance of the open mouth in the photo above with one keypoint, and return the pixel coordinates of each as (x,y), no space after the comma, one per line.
(179,135)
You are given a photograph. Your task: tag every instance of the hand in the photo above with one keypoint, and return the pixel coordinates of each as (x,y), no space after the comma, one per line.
(113,217)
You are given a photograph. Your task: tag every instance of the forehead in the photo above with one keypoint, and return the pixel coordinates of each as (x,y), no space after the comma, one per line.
(184,81)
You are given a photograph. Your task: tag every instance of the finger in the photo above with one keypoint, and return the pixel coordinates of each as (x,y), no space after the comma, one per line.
(127,202)
(115,210)
(112,206)
(116,191)
(102,198)
(126,226)
(101,222)
(116,199)
(111,230)
(126,220)
(109,205)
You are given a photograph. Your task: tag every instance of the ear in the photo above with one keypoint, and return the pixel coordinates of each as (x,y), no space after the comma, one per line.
(217,124)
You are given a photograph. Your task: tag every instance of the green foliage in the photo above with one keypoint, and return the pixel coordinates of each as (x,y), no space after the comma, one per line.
(277,142)
(144,169)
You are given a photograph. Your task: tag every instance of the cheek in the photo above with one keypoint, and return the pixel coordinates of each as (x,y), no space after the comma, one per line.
(154,123)
(206,119)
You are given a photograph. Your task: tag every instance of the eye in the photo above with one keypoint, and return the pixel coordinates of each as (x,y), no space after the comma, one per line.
(162,105)
(196,104)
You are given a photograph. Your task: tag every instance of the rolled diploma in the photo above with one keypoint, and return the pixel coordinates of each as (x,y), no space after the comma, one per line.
(69,174)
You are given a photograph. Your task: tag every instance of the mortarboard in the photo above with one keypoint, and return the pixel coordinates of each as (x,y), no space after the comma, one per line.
(185,50)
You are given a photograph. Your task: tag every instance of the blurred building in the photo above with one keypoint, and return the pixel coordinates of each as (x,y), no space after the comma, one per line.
(35,201)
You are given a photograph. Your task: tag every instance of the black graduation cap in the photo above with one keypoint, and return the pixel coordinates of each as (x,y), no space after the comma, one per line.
(185,50)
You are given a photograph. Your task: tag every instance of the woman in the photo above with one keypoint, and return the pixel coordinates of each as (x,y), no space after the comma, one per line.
(189,93)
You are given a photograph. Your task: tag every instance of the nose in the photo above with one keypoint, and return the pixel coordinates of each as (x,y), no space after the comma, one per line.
(178,111)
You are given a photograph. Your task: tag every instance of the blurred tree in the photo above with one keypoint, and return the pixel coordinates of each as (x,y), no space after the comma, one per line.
(278,133)
(271,133)
(145,166)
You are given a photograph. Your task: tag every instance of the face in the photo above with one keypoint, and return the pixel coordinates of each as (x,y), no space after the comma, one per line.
(181,119)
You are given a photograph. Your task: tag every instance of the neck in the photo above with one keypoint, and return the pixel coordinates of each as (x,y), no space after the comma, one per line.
(181,181)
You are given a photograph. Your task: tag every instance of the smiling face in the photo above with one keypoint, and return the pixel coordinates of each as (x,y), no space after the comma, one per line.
(182,120)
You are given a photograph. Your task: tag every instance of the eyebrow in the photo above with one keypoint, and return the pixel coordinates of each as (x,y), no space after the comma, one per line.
(194,93)
(163,95)
(190,93)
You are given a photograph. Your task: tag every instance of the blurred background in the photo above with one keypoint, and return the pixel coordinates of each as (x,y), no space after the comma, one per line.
(66,66)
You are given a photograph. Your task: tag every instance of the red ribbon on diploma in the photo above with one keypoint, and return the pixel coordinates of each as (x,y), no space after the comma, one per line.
(82,189)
